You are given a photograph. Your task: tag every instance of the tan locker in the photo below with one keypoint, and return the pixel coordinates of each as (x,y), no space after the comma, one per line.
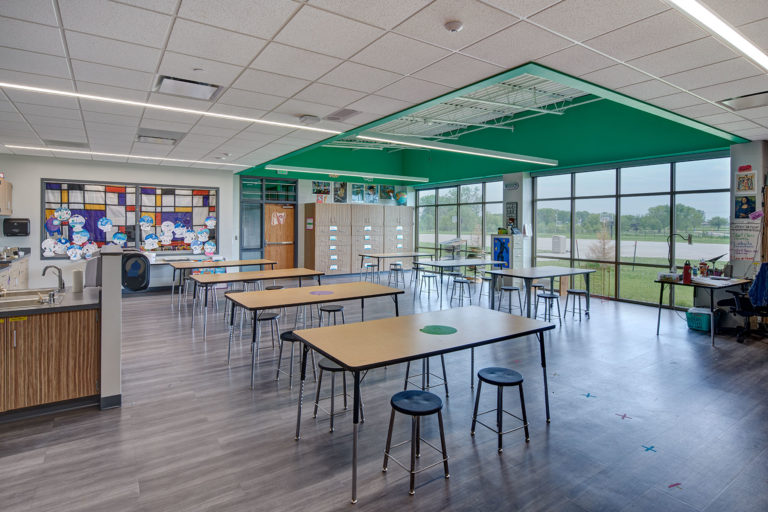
(367,215)
(334,260)
(398,216)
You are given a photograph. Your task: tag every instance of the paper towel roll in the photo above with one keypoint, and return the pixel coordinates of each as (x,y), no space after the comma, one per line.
(77,281)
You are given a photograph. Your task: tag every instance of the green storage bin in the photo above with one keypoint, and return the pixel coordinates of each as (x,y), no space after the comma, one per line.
(698,319)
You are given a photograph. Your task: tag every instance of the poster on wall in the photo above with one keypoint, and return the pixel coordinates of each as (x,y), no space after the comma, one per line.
(321,187)
(357,193)
(743,207)
(339,192)
(387,192)
(372,194)
(745,182)
(512,214)
(745,236)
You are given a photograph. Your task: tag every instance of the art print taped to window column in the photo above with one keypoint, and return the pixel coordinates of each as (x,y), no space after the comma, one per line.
(743,207)
(745,182)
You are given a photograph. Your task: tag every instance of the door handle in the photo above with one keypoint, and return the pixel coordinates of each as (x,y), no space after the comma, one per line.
(279,243)
(14,338)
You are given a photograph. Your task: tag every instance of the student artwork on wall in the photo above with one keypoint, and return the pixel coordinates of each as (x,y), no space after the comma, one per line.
(387,192)
(357,193)
(743,207)
(339,192)
(321,187)
(125,214)
(372,194)
(745,182)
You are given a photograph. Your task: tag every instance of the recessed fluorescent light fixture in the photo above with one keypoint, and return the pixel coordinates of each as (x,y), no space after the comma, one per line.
(186,88)
(155,106)
(466,150)
(120,155)
(720,28)
(759,99)
(335,172)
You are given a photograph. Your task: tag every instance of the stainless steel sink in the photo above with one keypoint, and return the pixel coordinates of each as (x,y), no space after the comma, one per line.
(28,297)
(27,292)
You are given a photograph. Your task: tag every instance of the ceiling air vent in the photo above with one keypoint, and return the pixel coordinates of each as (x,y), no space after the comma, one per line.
(187,88)
(341,115)
(66,144)
(758,99)
(161,137)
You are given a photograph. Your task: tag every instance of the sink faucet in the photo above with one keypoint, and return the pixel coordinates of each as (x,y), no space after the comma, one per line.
(58,274)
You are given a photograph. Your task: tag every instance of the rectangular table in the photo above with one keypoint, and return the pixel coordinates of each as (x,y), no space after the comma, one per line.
(378,256)
(441,265)
(308,295)
(208,280)
(706,283)
(362,346)
(184,267)
(530,273)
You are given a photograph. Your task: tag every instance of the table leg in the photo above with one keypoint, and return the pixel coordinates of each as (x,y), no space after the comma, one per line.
(299,281)
(362,310)
(356,421)
(205,315)
(318,281)
(397,308)
(173,287)
(231,331)
(712,315)
(544,370)
(661,301)
(528,282)
(194,299)
(301,388)
(254,347)
(440,291)
(586,282)
(492,291)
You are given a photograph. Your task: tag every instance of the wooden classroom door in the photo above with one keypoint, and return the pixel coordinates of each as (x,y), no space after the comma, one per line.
(278,234)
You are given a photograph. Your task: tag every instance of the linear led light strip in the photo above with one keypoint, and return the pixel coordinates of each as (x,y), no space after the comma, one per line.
(105,99)
(368,175)
(119,155)
(711,21)
(466,150)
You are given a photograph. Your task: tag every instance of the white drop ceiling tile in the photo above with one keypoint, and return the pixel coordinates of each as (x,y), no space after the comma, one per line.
(675,101)
(361,78)
(329,95)
(4,150)
(110,109)
(360,119)
(31,36)
(648,90)
(257,131)
(116,21)
(725,71)
(109,132)
(250,113)
(40,121)
(738,125)
(479,21)
(585,19)
(445,71)
(687,56)
(109,75)
(11,116)
(67,134)
(529,43)
(211,130)
(313,29)
(758,114)
(72,156)
(400,54)
(255,80)
(412,90)
(140,148)
(104,158)
(178,101)
(16,77)
(616,76)
(109,91)
(210,71)
(659,32)
(722,117)
(41,99)
(204,140)
(158,124)
(213,43)
(29,152)
(700,110)
(735,88)
(164,6)
(576,60)
(754,134)
(286,60)
(260,18)
(382,13)
(37,63)
(114,53)
(6,106)
(39,11)
(111,119)
(248,99)
(521,8)
(757,32)
(53,112)
(172,117)
(738,12)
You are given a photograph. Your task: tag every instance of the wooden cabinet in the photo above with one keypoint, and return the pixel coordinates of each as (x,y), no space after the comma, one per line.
(6,197)
(49,358)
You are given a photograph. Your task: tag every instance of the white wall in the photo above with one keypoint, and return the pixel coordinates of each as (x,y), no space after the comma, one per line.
(755,154)
(25,173)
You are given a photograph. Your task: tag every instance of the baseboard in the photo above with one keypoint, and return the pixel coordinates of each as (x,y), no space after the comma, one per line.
(41,410)
(110,402)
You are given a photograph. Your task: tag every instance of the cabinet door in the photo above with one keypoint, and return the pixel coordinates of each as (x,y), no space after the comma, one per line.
(3,367)
(23,364)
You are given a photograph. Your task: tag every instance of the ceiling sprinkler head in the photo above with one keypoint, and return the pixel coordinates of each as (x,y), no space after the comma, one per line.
(454,26)
(309,119)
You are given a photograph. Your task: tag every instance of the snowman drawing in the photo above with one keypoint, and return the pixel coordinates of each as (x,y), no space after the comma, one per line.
(210,222)
(151,241)
(104,224)
(167,227)
(145,222)
(76,222)
(197,247)
(74,252)
(189,236)
(119,239)
(80,237)
(179,229)
(61,246)
(166,238)
(62,214)
(202,235)
(48,245)
(209,248)
(89,250)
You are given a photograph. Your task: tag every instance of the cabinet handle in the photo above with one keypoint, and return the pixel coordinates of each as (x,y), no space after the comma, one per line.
(14,338)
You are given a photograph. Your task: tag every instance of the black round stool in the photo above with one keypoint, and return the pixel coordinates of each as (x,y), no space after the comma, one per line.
(577,293)
(274,327)
(501,378)
(415,403)
(290,337)
(331,308)
(509,290)
(326,365)
(274,287)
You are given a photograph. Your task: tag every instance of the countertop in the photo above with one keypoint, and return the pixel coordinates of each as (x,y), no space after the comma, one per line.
(89,298)
(5,263)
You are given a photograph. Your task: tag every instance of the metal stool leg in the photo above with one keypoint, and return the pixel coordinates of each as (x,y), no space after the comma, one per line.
(477,404)
(413,455)
(442,443)
(525,417)
(389,440)
(499,413)
(317,393)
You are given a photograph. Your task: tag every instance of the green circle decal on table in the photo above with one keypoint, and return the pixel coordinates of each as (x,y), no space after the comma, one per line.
(438,329)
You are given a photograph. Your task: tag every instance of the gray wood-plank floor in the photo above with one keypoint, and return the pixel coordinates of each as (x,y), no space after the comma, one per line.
(192,436)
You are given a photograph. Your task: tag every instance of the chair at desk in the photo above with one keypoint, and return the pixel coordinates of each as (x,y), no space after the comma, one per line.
(750,304)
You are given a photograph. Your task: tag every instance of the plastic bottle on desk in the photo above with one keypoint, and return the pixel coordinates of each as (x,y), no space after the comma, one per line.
(687,272)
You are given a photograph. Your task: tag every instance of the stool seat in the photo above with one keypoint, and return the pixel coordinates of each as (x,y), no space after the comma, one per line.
(500,376)
(415,402)
(486,278)
(509,288)
(329,366)
(577,291)
(268,315)
(461,280)
(274,287)
(289,336)
(548,295)
(332,308)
